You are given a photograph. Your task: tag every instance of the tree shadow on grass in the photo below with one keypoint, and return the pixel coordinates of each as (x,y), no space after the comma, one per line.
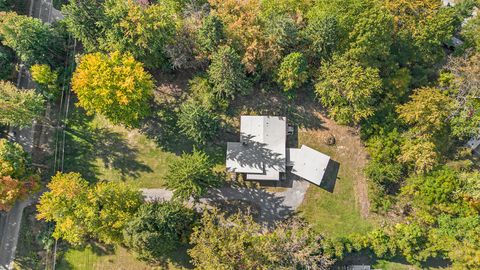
(86,143)
(162,127)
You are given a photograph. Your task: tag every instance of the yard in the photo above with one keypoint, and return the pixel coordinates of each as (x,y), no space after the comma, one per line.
(102,151)
(345,210)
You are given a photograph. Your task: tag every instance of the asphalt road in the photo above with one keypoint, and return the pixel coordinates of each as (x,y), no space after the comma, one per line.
(10,222)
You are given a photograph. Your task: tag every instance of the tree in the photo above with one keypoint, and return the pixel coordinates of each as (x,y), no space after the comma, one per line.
(237,242)
(16,178)
(47,80)
(12,190)
(81,211)
(19,107)
(371,37)
(197,122)
(348,90)
(226,73)
(33,41)
(66,204)
(6,62)
(435,190)
(190,175)
(461,80)
(13,159)
(82,20)
(210,34)
(114,85)
(158,228)
(292,72)
(227,243)
(141,30)
(427,111)
(323,33)
(419,152)
(114,205)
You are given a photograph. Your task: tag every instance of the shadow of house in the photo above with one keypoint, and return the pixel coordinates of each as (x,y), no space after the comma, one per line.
(330,177)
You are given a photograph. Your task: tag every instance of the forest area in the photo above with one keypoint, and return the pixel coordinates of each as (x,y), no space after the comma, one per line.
(403,74)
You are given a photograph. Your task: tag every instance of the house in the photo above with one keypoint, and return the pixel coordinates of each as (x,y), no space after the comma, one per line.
(262,153)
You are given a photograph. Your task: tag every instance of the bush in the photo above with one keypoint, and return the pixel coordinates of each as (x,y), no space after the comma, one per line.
(158,228)
(197,122)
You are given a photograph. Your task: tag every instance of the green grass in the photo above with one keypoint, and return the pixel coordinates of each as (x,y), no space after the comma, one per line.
(102,151)
(334,214)
(88,259)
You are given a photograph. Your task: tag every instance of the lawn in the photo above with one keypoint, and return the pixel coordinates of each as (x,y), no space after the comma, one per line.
(120,259)
(100,150)
(338,213)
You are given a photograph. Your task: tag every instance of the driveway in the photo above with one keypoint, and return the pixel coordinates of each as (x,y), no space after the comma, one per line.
(273,206)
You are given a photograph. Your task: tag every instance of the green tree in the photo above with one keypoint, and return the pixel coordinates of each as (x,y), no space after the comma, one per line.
(6,62)
(420,153)
(435,190)
(32,40)
(81,211)
(226,73)
(19,107)
(323,33)
(66,204)
(427,111)
(237,242)
(47,80)
(113,205)
(210,34)
(197,122)
(158,228)
(114,85)
(141,30)
(292,72)
(190,175)
(82,20)
(13,159)
(348,90)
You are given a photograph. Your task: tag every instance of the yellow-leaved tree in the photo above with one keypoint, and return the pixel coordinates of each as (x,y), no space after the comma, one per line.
(115,85)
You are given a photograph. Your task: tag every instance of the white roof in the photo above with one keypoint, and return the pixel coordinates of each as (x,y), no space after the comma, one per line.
(262,147)
(262,153)
(308,163)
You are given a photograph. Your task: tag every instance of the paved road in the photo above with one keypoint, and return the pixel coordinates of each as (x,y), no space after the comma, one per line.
(274,206)
(10,226)
(10,222)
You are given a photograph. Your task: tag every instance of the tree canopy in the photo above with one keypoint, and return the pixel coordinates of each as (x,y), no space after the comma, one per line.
(80,211)
(115,85)
(158,228)
(19,107)
(190,175)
